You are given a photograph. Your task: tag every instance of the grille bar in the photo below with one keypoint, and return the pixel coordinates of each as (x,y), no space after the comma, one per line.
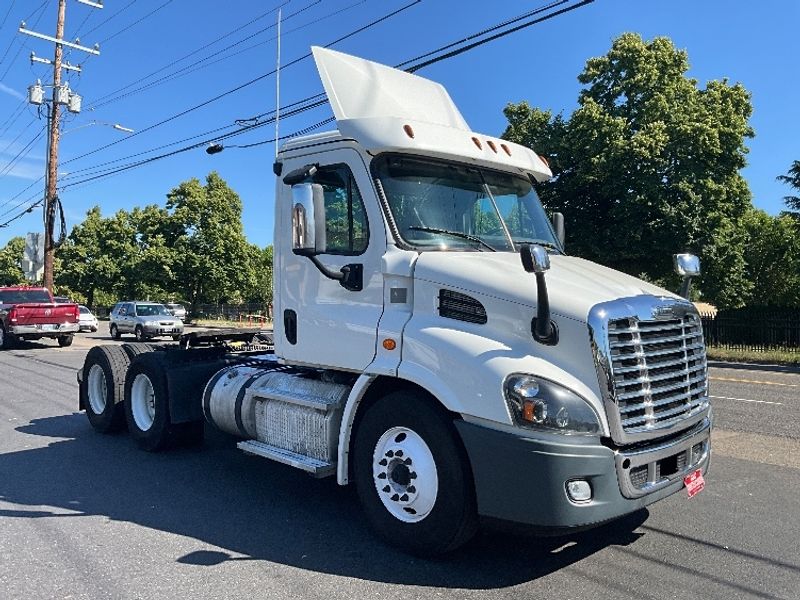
(657,371)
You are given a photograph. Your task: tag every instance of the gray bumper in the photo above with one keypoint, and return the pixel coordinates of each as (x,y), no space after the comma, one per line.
(522,478)
(39,330)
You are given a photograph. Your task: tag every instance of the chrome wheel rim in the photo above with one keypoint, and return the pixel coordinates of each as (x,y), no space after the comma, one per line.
(405,475)
(97,389)
(143,402)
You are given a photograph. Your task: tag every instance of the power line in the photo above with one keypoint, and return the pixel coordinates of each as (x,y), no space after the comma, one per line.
(240,86)
(12,118)
(124,29)
(8,12)
(110,17)
(190,54)
(19,135)
(41,8)
(21,154)
(321,101)
(109,98)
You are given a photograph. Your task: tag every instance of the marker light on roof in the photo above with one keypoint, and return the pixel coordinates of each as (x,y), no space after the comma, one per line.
(477,142)
(544,160)
(492,146)
(506,148)
(409,131)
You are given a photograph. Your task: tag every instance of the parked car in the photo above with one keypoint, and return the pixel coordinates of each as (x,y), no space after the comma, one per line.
(177,310)
(86,320)
(30,313)
(62,300)
(144,320)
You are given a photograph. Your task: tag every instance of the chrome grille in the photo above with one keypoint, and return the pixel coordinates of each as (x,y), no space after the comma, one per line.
(658,374)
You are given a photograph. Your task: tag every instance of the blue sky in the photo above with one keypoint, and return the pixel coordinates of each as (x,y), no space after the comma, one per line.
(755,44)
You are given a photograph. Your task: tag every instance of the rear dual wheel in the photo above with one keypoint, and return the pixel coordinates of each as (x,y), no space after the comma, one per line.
(147,407)
(102,386)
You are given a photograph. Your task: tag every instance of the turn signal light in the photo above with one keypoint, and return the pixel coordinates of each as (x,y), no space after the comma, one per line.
(409,131)
(389,344)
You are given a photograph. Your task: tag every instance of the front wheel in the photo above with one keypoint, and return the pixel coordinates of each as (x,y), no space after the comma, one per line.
(413,477)
(114,330)
(139,333)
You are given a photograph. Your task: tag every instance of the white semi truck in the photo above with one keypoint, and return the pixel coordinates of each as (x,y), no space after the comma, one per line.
(433,343)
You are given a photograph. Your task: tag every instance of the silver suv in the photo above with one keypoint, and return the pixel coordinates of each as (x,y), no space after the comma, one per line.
(144,320)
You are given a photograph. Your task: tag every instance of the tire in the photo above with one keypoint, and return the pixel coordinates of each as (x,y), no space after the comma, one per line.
(176,338)
(139,334)
(102,388)
(147,403)
(7,340)
(413,477)
(65,340)
(114,330)
(134,349)
(94,329)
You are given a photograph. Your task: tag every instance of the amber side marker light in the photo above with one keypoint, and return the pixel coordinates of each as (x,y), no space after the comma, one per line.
(477,142)
(492,146)
(545,161)
(409,131)
(389,344)
(506,149)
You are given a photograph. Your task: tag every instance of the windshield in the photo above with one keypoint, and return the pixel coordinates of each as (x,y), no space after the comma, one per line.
(440,205)
(150,310)
(84,310)
(24,296)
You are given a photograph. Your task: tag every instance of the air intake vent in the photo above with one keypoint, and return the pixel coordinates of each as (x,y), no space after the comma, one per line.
(461,307)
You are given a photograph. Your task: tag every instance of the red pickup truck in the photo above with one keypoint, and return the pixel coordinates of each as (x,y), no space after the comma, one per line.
(29,313)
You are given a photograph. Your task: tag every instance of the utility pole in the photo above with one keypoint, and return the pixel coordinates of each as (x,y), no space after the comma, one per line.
(52,155)
(61,95)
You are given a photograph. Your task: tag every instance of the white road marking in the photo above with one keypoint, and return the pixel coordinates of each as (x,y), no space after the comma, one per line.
(746,400)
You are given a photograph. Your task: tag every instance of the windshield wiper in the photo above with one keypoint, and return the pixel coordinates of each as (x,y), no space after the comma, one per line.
(458,234)
(548,245)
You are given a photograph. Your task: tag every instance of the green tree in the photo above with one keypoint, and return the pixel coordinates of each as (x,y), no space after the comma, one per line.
(648,165)
(773,259)
(792,179)
(10,262)
(211,253)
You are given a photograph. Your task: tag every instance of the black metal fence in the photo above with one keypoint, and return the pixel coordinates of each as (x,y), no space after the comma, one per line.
(256,313)
(754,328)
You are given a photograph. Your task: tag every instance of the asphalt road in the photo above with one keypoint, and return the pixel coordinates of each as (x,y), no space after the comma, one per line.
(84,515)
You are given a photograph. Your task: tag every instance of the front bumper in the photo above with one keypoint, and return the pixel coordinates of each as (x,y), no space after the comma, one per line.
(44,330)
(521,477)
(159,329)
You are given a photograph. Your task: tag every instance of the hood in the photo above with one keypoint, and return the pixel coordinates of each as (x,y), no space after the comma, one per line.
(574,285)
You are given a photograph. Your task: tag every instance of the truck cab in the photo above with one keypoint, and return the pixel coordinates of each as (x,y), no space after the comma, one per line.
(434,343)
(432,216)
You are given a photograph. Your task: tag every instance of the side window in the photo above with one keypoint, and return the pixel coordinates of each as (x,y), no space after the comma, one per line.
(345,218)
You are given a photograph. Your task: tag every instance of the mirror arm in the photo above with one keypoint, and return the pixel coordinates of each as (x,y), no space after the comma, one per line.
(350,277)
(686,287)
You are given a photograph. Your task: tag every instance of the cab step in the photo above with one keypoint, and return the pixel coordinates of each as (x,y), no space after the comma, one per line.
(317,468)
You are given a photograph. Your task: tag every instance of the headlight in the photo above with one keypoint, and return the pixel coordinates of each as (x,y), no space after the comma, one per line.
(542,404)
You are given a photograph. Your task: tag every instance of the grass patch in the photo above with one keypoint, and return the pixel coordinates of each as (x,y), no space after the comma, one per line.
(772,357)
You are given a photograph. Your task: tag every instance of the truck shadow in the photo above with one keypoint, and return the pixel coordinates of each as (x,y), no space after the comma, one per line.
(256,510)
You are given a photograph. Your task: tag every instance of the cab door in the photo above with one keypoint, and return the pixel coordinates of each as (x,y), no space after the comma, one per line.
(318,321)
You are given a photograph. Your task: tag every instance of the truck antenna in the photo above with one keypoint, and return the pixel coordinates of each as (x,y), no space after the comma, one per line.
(278,85)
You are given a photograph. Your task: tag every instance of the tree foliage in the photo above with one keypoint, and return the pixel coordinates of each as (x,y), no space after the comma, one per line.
(191,250)
(648,165)
(10,262)
(773,257)
(792,178)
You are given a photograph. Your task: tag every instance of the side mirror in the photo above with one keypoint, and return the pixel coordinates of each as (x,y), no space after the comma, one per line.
(308,219)
(534,258)
(687,266)
(558,224)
